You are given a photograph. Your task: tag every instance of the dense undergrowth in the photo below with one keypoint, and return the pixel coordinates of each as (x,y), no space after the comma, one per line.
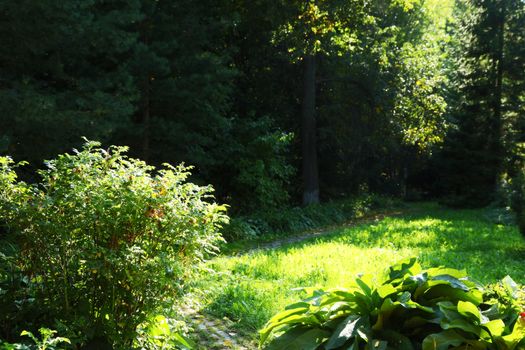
(277,223)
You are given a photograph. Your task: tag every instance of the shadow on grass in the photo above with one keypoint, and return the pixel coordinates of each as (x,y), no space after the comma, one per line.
(260,282)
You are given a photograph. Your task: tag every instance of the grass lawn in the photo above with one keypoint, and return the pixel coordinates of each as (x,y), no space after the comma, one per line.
(249,288)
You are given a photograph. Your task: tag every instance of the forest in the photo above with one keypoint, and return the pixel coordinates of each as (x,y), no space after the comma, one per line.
(180,174)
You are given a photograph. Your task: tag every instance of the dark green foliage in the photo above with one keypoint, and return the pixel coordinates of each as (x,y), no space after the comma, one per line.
(46,341)
(104,241)
(518,199)
(485,100)
(217,84)
(152,75)
(300,219)
(410,308)
(63,74)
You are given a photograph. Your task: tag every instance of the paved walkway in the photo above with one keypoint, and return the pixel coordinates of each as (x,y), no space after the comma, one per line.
(212,333)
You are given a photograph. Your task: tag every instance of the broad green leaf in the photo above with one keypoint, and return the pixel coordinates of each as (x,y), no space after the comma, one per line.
(463,324)
(386,290)
(442,340)
(306,319)
(517,335)
(470,310)
(185,344)
(453,319)
(440,271)
(299,338)
(364,286)
(396,340)
(446,292)
(401,269)
(495,327)
(453,281)
(287,313)
(346,330)
(298,305)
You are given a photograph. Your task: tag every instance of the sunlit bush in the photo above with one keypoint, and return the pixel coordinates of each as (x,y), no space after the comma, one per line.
(107,239)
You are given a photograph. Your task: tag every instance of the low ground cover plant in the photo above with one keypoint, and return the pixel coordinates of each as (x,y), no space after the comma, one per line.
(438,308)
(102,243)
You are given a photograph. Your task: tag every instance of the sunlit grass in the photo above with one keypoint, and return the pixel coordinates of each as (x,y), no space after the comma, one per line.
(249,288)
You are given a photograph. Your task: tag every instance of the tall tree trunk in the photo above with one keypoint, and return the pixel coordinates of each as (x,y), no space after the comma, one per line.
(308,133)
(497,123)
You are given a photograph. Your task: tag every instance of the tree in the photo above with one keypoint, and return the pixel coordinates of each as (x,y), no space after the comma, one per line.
(486,110)
(64,73)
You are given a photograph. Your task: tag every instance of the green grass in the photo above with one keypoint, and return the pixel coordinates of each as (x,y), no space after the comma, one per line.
(250,287)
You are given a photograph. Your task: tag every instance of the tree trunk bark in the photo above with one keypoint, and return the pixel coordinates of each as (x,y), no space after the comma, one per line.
(497,123)
(308,134)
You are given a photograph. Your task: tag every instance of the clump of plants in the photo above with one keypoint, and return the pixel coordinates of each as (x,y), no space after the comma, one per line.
(411,308)
(105,240)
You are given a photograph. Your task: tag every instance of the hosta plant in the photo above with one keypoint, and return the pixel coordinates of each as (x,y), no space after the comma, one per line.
(434,309)
(107,239)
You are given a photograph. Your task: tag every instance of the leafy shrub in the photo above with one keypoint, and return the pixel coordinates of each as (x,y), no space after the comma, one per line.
(106,240)
(261,171)
(48,342)
(438,308)
(158,333)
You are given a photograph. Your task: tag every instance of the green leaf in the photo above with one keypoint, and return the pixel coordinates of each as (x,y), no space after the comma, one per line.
(447,292)
(517,335)
(290,319)
(495,327)
(509,284)
(453,319)
(442,340)
(182,342)
(468,309)
(402,268)
(396,340)
(346,330)
(386,290)
(299,338)
(453,281)
(364,286)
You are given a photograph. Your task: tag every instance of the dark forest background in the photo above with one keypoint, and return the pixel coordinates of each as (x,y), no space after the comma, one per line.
(275,103)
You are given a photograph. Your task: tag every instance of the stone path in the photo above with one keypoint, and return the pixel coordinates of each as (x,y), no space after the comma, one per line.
(212,333)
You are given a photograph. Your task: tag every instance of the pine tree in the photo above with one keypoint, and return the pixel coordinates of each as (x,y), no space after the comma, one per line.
(487,112)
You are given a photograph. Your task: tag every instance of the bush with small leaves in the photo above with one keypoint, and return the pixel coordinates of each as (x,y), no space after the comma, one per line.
(108,239)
